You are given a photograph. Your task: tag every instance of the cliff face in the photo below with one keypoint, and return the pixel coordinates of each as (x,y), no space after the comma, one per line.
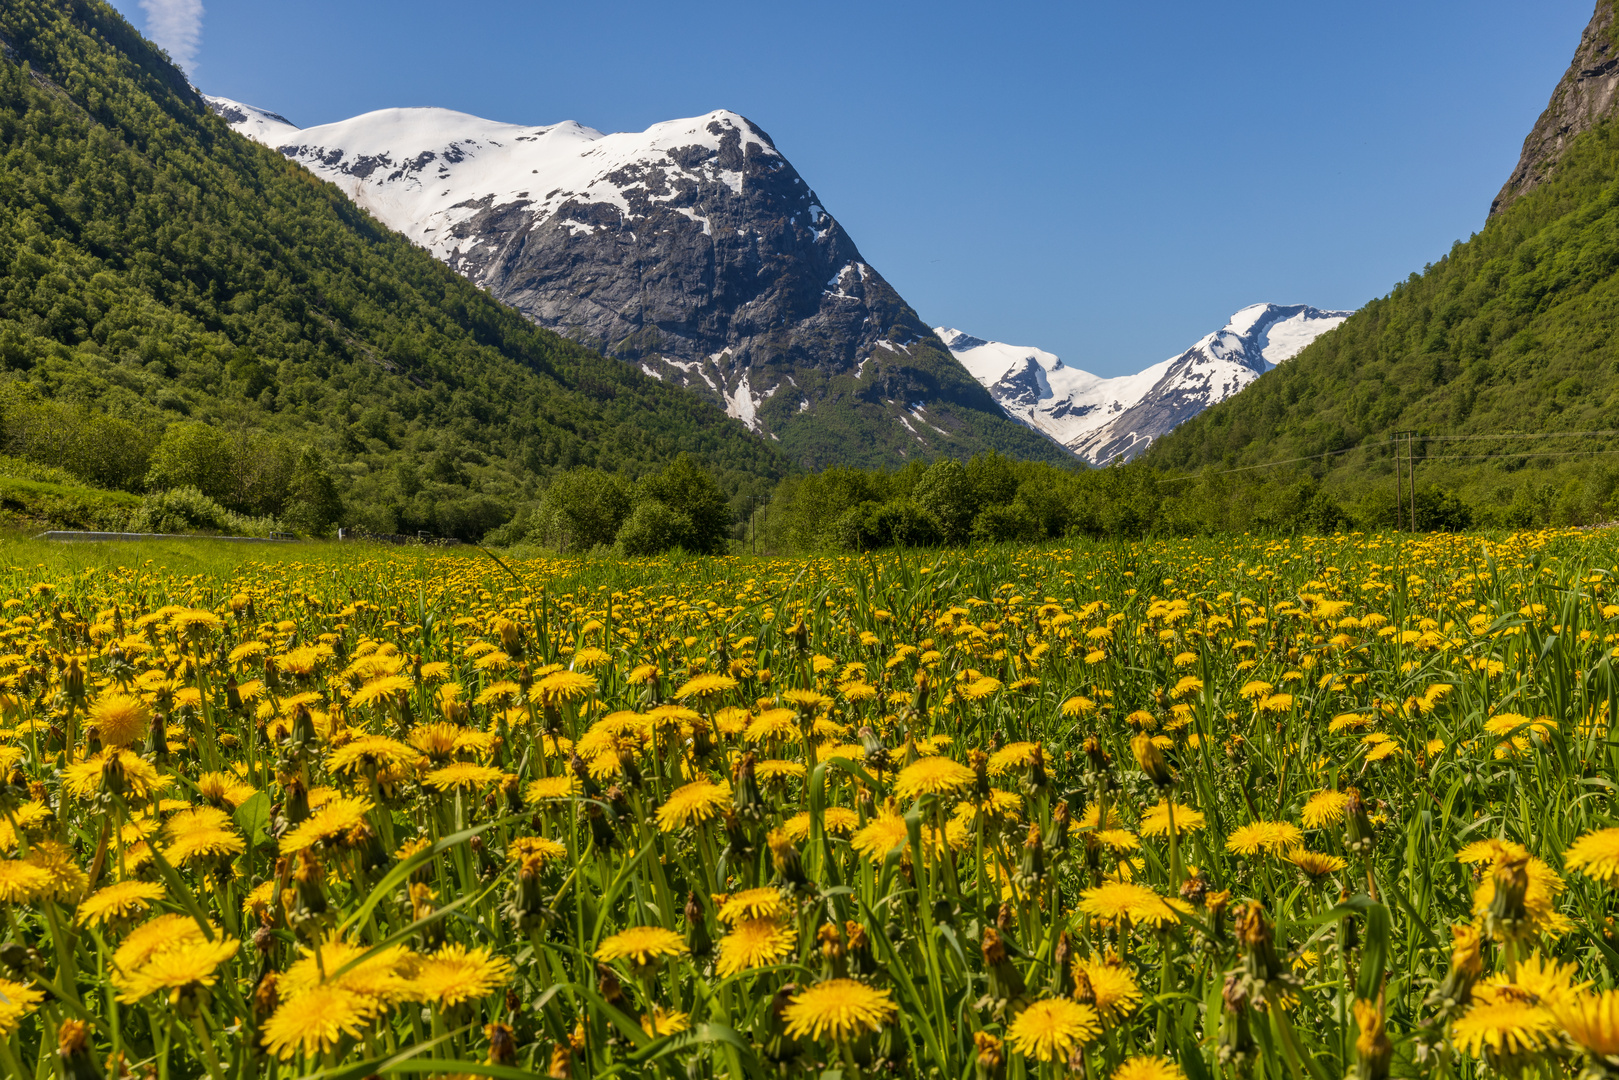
(1584,96)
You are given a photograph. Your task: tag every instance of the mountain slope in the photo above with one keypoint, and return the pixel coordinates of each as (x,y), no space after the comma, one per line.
(160,268)
(1509,337)
(1100,419)
(692,250)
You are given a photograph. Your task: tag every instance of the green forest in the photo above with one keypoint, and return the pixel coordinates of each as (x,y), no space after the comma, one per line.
(183,309)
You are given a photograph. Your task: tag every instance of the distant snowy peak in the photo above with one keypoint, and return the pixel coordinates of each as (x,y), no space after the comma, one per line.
(1101,418)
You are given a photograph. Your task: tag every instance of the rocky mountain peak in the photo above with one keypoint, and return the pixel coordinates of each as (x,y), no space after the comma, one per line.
(1585,96)
(693,250)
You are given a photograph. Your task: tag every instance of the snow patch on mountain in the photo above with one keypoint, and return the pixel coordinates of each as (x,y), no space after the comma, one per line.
(423,171)
(1103,418)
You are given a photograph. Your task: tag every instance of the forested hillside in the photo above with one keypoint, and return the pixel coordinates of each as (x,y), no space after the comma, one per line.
(1501,356)
(176,298)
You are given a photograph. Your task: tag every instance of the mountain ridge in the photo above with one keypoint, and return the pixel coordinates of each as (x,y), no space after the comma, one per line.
(692,250)
(1100,419)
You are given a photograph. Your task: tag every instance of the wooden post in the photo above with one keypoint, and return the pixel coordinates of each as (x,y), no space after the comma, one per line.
(1399,486)
(1411,455)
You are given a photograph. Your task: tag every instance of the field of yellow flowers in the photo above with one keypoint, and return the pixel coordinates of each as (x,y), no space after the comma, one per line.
(1174,810)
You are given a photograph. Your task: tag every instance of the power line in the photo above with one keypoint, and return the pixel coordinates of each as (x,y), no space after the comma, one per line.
(1429,460)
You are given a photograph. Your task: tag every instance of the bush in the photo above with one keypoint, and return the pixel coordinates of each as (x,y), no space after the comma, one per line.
(686,488)
(581,510)
(1007,524)
(185,510)
(653,527)
(896,523)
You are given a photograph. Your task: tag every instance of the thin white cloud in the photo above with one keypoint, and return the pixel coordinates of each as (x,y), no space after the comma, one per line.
(177,26)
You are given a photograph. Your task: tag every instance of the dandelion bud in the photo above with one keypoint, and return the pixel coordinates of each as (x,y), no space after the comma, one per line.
(266,998)
(561,1067)
(1358,833)
(611,991)
(1195,889)
(1005,981)
(988,1064)
(1507,916)
(1373,1050)
(1060,956)
(1455,991)
(1033,866)
(502,1047)
(978,761)
(697,936)
(1237,1046)
(73,1047)
(746,798)
(233,694)
(785,857)
(1151,759)
(832,949)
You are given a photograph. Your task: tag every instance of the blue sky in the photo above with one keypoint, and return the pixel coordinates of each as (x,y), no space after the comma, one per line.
(1105,180)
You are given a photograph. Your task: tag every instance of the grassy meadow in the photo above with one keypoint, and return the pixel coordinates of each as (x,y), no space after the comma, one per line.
(1166,810)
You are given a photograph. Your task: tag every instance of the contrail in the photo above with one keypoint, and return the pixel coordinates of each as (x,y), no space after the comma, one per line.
(176,25)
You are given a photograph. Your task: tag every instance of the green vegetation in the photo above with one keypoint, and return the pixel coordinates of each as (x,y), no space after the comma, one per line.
(1512,333)
(180,307)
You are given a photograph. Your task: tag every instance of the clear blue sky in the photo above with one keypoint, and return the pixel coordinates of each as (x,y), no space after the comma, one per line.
(1105,180)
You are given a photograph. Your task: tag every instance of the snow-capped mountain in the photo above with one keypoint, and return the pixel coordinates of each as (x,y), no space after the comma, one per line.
(1100,419)
(692,249)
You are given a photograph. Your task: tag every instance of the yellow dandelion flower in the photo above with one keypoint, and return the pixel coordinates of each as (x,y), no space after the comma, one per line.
(1146,1067)
(754,942)
(1271,837)
(456,973)
(314,1021)
(118,901)
(1155,822)
(705,686)
(692,804)
(1325,808)
(463,775)
(1505,1028)
(1047,1030)
(17,1000)
(1109,987)
(120,719)
(1592,1020)
(932,776)
(641,945)
(1126,901)
(336,817)
(761,903)
(839,1009)
(881,835)
(1596,855)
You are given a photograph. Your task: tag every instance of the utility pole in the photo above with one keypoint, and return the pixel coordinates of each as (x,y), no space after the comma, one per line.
(1411,455)
(1399,487)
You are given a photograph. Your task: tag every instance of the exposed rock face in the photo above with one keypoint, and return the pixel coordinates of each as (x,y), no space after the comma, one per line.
(1101,419)
(1583,97)
(693,250)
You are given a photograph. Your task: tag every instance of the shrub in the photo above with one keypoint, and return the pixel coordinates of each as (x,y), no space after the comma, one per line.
(184,510)
(653,527)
